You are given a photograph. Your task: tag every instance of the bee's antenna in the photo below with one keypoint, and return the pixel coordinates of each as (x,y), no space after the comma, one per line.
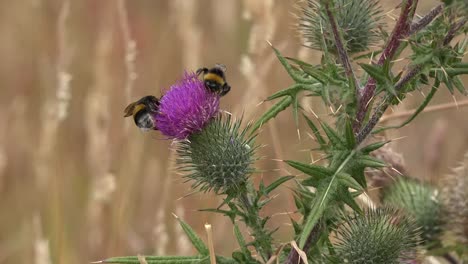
(199,71)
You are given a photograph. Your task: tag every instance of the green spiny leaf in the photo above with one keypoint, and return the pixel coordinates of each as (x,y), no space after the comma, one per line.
(349,181)
(368,161)
(277,183)
(416,113)
(291,91)
(318,207)
(375,72)
(459,85)
(350,138)
(197,242)
(316,132)
(374,146)
(310,169)
(322,199)
(241,240)
(294,75)
(348,199)
(272,112)
(332,135)
(230,214)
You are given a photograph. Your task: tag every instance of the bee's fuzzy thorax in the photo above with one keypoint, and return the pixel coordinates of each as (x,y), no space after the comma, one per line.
(215,77)
(186,108)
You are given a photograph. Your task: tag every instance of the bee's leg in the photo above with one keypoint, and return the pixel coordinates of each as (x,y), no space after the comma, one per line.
(226,88)
(202,70)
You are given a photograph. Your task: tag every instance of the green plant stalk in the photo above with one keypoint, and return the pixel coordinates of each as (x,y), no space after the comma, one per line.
(253,220)
(343,54)
(386,101)
(400,32)
(408,77)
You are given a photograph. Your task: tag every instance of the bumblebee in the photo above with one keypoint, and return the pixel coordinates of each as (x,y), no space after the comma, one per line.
(143,112)
(215,79)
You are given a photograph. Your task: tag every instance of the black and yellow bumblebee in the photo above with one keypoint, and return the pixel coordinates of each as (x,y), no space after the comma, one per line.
(215,79)
(143,112)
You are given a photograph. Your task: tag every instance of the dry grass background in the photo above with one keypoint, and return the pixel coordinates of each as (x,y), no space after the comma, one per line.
(78,182)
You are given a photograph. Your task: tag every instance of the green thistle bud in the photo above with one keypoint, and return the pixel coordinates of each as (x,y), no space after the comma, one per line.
(454,196)
(359,21)
(219,157)
(422,202)
(380,236)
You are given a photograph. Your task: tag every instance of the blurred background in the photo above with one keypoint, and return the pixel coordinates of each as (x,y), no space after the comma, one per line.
(80,183)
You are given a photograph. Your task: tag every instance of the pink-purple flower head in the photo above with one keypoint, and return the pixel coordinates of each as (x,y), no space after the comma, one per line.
(186,108)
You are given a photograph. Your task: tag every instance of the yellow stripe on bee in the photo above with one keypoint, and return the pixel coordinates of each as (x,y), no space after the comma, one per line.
(214,77)
(137,108)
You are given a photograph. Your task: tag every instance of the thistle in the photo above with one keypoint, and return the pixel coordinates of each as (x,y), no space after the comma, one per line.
(420,201)
(219,157)
(186,108)
(359,21)
(455,200)
(379,236)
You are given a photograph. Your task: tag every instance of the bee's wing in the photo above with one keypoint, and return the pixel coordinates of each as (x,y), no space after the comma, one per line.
(128,111)
(221,66)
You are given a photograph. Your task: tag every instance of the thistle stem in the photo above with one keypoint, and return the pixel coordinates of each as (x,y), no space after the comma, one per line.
(254,222)
(423,22)
(342,53)
(400,31)
(385,103)
(293,257)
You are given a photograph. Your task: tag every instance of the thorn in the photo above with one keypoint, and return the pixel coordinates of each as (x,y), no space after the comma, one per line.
(298,134)
(186,195)
(397,60)
(339,107)
(312,137)
(455,101)
(368,102)
(443,69)
(176,217)
(397,171)
(312,111)
(261,102)
(226,112)
(96,262)
(269,43)
(280,160)
(320,159)
(398,138)
(389,175)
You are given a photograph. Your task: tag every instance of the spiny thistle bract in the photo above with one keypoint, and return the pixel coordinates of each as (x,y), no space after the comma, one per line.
(459,7)
(219,157)
(186,108)
(379,236)
(454,194)
(422,202)
(358,20)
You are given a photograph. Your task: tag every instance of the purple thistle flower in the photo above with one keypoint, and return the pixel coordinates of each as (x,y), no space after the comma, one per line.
(186,108)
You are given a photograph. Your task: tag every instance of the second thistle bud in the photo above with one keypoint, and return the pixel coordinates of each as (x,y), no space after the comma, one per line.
(359,20)
(421,201)
(380,236)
